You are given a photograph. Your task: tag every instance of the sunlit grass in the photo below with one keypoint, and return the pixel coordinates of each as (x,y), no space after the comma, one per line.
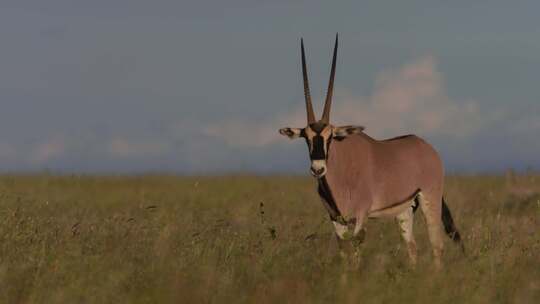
(161,239)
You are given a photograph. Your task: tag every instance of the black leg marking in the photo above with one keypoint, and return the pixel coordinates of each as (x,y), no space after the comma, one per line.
(415,204)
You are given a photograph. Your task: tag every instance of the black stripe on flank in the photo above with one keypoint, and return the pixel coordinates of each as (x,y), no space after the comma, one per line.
(329,202)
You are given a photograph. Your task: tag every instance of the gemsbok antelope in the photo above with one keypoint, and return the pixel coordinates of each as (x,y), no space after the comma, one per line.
(360,177)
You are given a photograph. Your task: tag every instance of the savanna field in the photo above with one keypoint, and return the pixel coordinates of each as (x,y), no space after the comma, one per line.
(247,239)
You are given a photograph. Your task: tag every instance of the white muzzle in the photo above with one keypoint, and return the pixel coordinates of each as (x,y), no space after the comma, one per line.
(318,168)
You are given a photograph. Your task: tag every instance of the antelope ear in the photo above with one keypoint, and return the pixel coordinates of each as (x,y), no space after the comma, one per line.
(341,133)
(292,133)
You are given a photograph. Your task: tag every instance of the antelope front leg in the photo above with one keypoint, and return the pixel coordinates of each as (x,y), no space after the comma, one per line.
(350,238)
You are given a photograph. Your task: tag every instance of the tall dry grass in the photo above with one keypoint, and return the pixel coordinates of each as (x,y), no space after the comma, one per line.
(237,239)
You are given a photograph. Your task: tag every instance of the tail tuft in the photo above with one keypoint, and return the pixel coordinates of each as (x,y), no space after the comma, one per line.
(449,226)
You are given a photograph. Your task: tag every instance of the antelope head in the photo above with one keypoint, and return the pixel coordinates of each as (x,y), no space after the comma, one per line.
(319,134)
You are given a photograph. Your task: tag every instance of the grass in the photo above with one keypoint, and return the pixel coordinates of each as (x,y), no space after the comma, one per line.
(238,239)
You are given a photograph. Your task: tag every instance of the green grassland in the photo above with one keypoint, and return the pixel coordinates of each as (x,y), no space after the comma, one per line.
(168,239)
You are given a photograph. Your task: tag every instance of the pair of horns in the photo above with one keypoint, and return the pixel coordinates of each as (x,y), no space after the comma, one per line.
(328,103)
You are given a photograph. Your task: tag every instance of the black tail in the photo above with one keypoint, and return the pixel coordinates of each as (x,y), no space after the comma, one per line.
(449,225)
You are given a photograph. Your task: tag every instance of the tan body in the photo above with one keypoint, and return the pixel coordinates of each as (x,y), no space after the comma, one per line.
(367,175)
(370,179)
(360,177)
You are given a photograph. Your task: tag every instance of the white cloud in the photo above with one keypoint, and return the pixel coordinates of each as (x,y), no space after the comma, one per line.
(410,99)
(7,151)
(47,150)
(526,124)
(125,148)
(241,133)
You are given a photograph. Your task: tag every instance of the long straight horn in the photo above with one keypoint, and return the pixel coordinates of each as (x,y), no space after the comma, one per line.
(309,106)
(328,103)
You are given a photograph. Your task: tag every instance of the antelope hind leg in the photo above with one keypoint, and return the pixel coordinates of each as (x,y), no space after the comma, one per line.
(405,221)
(432,212)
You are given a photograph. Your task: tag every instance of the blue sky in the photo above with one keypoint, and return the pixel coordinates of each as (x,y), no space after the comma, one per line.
(202,86)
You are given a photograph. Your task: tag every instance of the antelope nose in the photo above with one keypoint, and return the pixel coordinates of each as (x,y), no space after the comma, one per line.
(317,172)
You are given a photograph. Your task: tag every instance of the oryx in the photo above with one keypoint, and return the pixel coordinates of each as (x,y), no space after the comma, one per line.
(360,177)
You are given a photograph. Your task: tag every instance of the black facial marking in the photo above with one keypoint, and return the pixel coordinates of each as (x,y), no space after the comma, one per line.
(339,138)
(318,148)
(289,132)
(317,143)
(317,127)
